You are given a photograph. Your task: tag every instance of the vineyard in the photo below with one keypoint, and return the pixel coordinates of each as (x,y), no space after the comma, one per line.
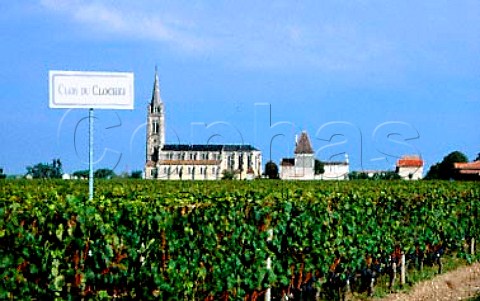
(227,240)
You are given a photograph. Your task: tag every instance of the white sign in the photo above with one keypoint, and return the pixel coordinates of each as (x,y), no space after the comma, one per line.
(96,90)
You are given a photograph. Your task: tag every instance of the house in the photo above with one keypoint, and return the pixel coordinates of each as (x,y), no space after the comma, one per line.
(410,167)
(302,166)
(468,170)
(193,161)
(335,170)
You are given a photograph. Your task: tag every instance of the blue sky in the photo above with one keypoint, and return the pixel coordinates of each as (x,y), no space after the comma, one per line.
(374,79)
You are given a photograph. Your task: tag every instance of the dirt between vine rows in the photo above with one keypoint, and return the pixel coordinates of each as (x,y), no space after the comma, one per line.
(460,284)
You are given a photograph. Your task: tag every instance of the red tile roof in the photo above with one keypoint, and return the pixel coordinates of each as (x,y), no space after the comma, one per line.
(468,167)
(410,161)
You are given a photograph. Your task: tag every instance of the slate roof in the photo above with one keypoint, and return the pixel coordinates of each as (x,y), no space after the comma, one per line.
(190,162)
(208,147)
(156,99)
(288,162)
(303,145)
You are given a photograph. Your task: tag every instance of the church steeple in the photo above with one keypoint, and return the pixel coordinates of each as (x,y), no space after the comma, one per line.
(155,123)
(156,99)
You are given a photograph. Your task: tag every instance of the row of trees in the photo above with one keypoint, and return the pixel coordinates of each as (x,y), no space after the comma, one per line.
(45,170)
(105,173)
(55,171)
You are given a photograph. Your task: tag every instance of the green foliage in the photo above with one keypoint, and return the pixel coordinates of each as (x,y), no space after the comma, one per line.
(46,171)
(156,240)
(319,167)
(271,170)
(445,169)
(81,174)
(387,175)
(228,174)
(136,174)
(355,175)
(104,173)
(2,175)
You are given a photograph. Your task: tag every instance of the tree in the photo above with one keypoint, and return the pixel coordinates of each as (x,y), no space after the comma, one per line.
(228,175)
(445,170)
(2,175)
(319,167)
(271,170)
(83,174)
(478,157)
(104,173)
(46,171)
(136,174)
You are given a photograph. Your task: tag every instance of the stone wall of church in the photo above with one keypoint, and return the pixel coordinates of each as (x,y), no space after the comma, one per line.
(205,165)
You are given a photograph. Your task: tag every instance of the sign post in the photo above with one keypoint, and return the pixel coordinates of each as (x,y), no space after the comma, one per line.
(90,154)
(91,90)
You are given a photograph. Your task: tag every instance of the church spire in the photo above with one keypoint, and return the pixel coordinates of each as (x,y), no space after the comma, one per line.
(156,99)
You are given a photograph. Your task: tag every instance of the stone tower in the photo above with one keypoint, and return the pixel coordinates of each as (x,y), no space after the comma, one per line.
(304,157)
(155,124)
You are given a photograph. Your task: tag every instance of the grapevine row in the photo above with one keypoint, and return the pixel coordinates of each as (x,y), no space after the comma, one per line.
(211,240)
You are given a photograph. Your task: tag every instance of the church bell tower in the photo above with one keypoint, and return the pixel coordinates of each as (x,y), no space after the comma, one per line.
(155,124)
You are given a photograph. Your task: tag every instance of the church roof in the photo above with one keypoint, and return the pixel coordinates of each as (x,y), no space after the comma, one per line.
(156,90)
(208,147)
(190,162)
(303,145)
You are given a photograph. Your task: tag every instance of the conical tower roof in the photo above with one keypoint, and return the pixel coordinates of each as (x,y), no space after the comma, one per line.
(156,99)
(303,145)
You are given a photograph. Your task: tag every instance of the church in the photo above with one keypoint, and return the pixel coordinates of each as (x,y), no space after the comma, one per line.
(193,161)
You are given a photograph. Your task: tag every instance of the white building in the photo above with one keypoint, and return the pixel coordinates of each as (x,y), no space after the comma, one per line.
(302,166)
(410,167)
(335,170)
(197,161)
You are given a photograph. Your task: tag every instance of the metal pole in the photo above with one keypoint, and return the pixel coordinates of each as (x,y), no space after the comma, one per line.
(90,156)
(402,270)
